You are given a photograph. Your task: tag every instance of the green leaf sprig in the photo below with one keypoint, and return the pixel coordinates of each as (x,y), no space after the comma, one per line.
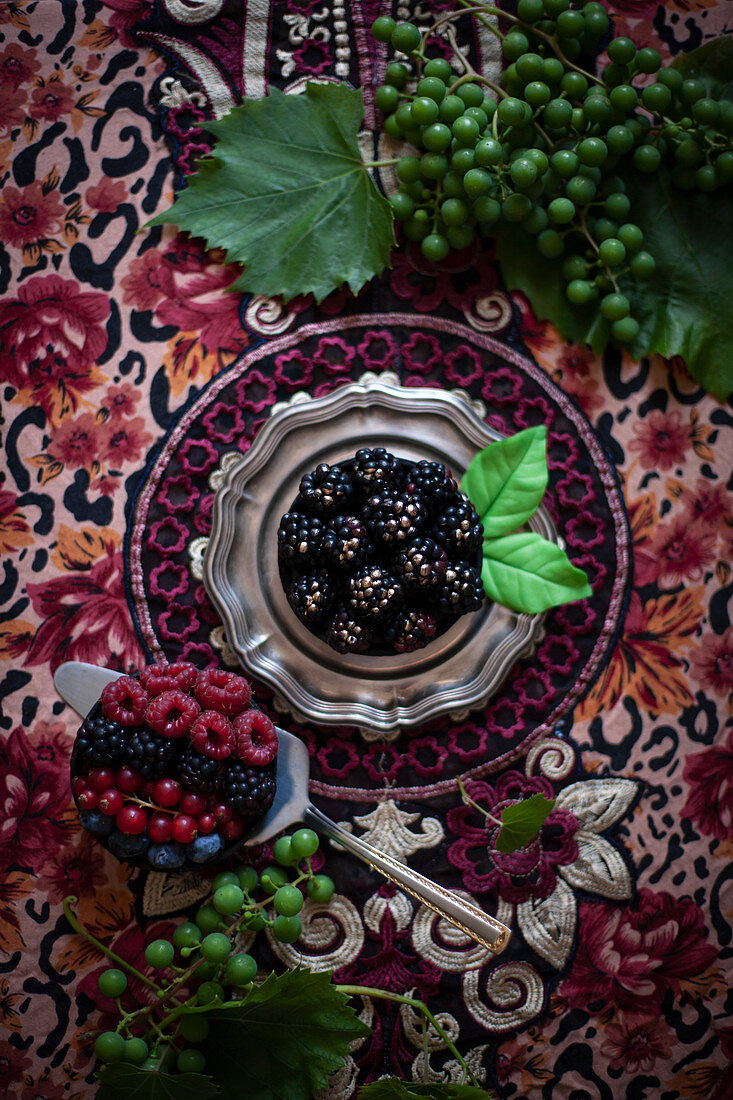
(519,822)
(520,570)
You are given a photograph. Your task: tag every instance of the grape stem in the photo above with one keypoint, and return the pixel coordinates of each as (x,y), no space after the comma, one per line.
(79,927)
(468,801)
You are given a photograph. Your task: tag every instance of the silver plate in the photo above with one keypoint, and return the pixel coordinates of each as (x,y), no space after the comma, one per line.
(457,671)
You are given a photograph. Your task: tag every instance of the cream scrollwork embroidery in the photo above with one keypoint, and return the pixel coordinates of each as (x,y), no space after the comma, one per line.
(513,994)
(333,936)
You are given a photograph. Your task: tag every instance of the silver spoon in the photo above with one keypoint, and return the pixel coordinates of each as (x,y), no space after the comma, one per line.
(80,685)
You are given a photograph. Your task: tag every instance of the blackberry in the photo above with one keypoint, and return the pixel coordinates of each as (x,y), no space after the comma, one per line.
(153,756)
(101,741)
(374,594)
(414,630)
(200,772)
(394,517)
(347,635)
(462,590)
(311,597)
(248,790)
(374,469)
(346,542)
(432,483)
(423,564)
(299,539)
(326,490)
(459,528)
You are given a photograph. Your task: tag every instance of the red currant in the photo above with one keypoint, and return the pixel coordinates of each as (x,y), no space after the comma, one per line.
(233,829)
(101,779)
(222,813)
(192,803)
(111,801)
(206,824)
(184,828)
(160,828)
(167,792)
(132,820)
(87,798)
(128,780)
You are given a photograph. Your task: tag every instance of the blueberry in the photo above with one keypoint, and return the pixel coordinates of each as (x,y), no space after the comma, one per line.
(204,848)
(167,857)
(126,847)
(94,822)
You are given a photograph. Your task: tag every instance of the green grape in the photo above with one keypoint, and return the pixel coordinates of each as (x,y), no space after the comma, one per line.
(254,920)
(536,221)
(387,97)
(571,47)
(383,28)
(109,1047)
(408,170)
(112,983)
(630,236)
(621,50)
(570,24)
(436,138)
(688,153)
(414,230)
(706,112)
(453,185)
(625,330)
(466,130)
(596,23)
(603,229)
(597,109)
(617,205)
(530,66)
(208,992)
(643,265)
(671,79)
(433,166)
(523,173)
(488,152)
(435,247)
(620,140)
(208,919)
(135,1052)
(514,45)
(580,291)
(195,1027)
(574,85)
(706,178)
(561,211)
(724,165)
(224,878)
(215,947)
(206,970)
(592,151)
(460,236)
(432,88)
(615,306)
(159,954)
(624,97)
(487,210)
(478,115)
(692,90)
(656,97)
(647,60)
(565,163)
(516,207)
(438,67)
(190,1061)
(552,70)
(397,73)
(529,11)
(450,109)
(726,118)
(546,26)
(574,267)
(405,37)
(424,111)
(488,106)
(591,173)
(413,135)
(240,970)
(611,252)
(289,929)
(392,128)
(403,115)
(510,81)
(557,114)
(537,93)
(248,877)
(550,244)
(187,934)
(578,120)
(471,94)
(462,161)
(615,74)
(288,900)
(272,878)
(228,899)
(511,111)
(556,7)
(581,190)
(403,207)
(453,212)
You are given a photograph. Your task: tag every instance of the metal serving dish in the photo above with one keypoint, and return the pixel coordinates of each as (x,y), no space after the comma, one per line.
(458,671)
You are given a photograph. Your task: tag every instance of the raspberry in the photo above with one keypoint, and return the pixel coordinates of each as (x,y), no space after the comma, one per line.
(159,678)
(256,738)
(172,713)
(124,701)
(222,691)
(212,735)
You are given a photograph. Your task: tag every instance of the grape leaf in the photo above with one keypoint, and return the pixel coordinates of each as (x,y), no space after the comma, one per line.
(287,194)
(392,1088)
(521,822)
(529,573)
(125,1082)
(284,1040)
(506,481)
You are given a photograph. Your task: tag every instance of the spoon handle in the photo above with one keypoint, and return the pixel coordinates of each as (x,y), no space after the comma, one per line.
(486,930)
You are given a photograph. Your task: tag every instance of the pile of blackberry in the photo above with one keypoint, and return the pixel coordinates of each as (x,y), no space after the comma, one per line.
(379,554)
(173,768)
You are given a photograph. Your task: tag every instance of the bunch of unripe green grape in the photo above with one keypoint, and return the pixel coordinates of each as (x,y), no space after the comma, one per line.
(201,964)
(548,146)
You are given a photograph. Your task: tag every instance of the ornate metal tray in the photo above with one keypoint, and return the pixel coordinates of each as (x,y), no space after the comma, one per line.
(457,671)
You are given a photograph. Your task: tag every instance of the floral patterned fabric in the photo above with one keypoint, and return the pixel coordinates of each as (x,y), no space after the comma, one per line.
(128,371)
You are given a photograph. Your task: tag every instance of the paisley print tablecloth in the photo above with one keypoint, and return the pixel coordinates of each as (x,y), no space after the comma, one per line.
(129,373)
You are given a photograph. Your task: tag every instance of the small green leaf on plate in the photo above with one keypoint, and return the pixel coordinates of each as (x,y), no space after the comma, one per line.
(287,194)
(392,1088)
(530,574)
(506,481)
(521,822)
(123,1082)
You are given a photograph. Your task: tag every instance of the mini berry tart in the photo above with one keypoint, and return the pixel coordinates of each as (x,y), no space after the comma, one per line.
(172,769)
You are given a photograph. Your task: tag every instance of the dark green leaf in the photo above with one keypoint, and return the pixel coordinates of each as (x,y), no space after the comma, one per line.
(711,63)
(528,573)
(507,480)
(286,194)
(392,1088)
(284,1040)
(123,1082)
(521,822)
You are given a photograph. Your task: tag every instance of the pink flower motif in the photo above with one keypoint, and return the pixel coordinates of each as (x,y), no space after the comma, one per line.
(125,443)
(534,688)
(168,580)
(463,366)
(709,775)
(77,868)
(125,15)
(28,215)
(661,440)
(529,872)
(200,654)
(224,423)
(377,349)
(333,355)
(712,662)
(34,793)
(17,66)
(178,494)
(85,618)
(167,536)
(422,352)
(681,552)
(629,957)
(178,622)
(634,1042)
(11,111)
(202,515)
(585,392)
(312,56)
(707,504)
(107,485)
(382,762)
(557,654)
(533,411)
(256,391)
(502,387)
(121,400)
(293,370)
(505,718)
(198,456)
(468,742)
(51,100)
(149,279)
(198,299)
(338,758)
(459,279)
(575,490)
(585,530)
(106,195)
(426,756)
(77,443)
(575,619)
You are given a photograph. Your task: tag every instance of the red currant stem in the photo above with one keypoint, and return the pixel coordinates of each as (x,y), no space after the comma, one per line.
(78,927)
(468,801)
(368,991)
